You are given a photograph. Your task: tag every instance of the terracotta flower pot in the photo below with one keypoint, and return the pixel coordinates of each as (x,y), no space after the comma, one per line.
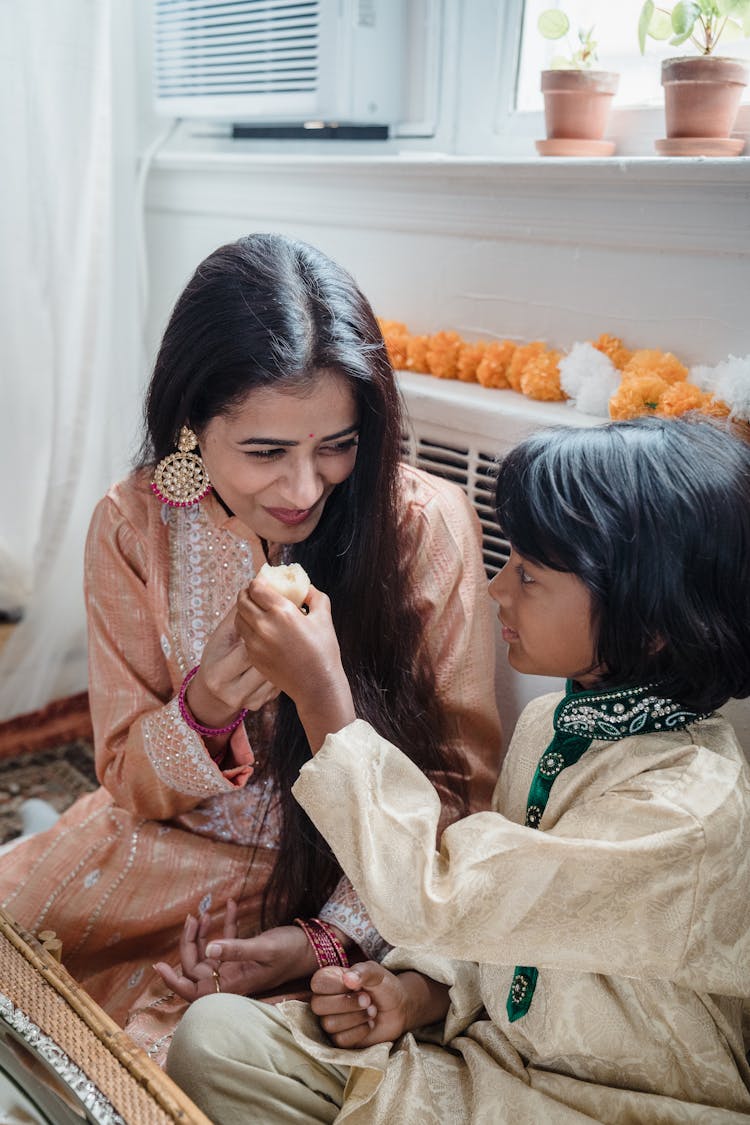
(577,102)
(702,94)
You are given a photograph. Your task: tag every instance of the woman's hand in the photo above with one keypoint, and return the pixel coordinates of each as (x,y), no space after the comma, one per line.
(367,1004)
(246,966)
(299,653)
(226,680)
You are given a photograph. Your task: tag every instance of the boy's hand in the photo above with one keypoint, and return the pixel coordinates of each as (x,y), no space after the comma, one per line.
(368,1004)
(299,654)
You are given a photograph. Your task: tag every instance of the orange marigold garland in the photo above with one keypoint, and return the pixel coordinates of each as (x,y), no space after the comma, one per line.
(416,354)
(640,394)
(678,398)
(493,366)
(541,378)
(649,361)
(443,350)
(469,358)
(652,381)
(613,347)
(523,354)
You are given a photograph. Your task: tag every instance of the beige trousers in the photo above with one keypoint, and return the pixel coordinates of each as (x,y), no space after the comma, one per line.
(237,1060)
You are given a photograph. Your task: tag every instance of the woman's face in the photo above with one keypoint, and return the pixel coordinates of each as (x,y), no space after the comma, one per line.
(277,457)
(546,620)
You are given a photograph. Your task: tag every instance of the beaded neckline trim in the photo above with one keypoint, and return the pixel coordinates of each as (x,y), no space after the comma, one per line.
(619,713)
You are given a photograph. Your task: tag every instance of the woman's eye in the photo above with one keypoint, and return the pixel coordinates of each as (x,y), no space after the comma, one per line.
(339,447)
(265,454)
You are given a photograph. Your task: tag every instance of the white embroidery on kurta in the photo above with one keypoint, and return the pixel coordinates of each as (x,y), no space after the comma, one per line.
(345,910)
(248,816)
(208,567)
(178,755)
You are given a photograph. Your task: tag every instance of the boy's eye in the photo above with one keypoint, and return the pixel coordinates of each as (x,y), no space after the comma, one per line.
(525,577)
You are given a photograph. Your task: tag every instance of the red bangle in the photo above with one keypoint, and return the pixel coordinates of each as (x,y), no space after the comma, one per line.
(192,722)
(328,929)
(326,946)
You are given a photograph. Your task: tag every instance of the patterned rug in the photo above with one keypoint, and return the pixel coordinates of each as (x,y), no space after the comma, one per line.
(47,754)
(58,776)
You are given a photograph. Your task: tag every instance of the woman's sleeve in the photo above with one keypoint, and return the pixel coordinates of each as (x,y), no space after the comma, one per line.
(443,542)
(346,910)
(629,882)
(147,757)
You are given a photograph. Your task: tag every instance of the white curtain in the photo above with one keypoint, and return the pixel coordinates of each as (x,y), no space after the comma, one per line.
(70,355)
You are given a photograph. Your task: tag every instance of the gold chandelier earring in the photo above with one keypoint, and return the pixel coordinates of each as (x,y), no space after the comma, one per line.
(180,479)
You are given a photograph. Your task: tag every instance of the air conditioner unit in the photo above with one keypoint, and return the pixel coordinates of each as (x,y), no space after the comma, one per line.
(280,62)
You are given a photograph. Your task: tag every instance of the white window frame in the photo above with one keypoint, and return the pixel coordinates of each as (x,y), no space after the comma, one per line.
(491,43)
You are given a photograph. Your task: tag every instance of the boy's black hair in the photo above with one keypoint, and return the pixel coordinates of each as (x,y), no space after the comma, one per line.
(653,515)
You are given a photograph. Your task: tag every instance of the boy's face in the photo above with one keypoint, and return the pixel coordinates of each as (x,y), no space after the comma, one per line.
(546,620)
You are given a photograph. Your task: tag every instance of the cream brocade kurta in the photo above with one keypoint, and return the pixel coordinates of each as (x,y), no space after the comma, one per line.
(168,833)
(632,900)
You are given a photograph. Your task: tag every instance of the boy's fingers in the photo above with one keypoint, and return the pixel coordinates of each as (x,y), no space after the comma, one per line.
(329,982)
(366,974)
(334,1025)
(263,595)
(337,1003)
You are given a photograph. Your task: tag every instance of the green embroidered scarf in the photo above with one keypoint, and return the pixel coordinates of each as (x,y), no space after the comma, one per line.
(579,719)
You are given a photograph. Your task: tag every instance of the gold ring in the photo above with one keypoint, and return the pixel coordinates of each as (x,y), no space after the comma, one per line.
(217,979)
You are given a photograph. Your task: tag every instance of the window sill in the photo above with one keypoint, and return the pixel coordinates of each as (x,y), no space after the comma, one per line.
(359,158)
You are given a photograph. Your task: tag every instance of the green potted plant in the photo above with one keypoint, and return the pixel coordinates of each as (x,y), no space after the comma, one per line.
(701,92)
(577,97)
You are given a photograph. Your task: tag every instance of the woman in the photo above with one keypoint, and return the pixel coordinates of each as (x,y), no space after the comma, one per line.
(273,383)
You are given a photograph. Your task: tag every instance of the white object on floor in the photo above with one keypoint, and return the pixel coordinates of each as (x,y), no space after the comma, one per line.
(37,816)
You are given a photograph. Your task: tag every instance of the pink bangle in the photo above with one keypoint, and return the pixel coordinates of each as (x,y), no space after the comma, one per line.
(326,946)
(341,952)
(192,722)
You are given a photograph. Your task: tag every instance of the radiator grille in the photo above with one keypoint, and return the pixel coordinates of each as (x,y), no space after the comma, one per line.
(474,472)
(236,47)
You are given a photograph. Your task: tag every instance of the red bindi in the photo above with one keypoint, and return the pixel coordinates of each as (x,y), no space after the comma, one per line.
(311,435)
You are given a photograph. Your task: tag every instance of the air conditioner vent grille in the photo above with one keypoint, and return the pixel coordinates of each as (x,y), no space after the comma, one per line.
(474,472)
(230,48)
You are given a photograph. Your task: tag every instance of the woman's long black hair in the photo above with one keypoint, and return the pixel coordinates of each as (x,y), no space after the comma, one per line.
(269,311)
(653,515)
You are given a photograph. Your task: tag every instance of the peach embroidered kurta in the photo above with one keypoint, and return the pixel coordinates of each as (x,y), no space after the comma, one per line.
(168,833)
(631,898)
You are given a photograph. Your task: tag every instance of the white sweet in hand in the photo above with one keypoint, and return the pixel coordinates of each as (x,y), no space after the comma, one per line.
(290,580)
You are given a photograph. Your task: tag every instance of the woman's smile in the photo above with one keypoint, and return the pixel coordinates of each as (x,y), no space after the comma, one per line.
(290,516)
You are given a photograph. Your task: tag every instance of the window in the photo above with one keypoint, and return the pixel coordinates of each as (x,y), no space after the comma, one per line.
(616,32)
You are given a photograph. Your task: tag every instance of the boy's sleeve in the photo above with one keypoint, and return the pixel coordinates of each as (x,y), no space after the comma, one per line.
(624,884)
